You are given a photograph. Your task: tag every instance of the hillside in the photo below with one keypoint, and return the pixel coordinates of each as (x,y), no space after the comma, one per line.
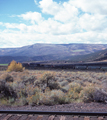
(96,56)
(44,52)
(52,49)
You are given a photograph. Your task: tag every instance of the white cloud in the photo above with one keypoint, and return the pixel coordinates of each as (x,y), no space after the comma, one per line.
(10,25)
(22,27)
(67,13)
(1,23)
(93,22)
(35,2)
(92,6)
(67,24)
(18,38)
(63,12)
(49,6)
(32,16)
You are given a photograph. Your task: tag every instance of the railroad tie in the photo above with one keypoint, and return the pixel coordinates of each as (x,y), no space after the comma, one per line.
(39,117)
(75,118)
(18,116)
(51,117)
(29,117)
(7,117)
(86,118)
(100,118)
(62,118)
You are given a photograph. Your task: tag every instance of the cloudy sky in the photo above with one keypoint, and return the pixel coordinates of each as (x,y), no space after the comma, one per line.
(26,22)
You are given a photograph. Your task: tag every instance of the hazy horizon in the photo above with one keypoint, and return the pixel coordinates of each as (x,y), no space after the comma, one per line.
(51,44)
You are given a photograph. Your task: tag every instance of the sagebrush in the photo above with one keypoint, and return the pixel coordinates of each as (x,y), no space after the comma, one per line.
(36,87)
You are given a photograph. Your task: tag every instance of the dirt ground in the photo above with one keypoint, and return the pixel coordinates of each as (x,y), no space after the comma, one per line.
(78,107)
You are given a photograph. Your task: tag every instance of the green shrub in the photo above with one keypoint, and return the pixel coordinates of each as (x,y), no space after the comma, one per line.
(59,97)
(74,91)
(53,97)
(33,96)
(87,94)
(47,80)
(22,101)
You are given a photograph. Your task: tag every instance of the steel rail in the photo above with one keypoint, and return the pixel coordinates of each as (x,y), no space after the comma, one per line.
(53,113)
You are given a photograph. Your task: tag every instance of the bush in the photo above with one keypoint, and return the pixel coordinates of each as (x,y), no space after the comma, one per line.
(14,66)
(34,96)
(47,77)
(28,80)
(6,90)
(47,80)
(65,88)
(53,97)
(87,94)
(74,91)
(100,95)
(54,85)
(93,94)
(64,83)
(59,97)
(22,101)
(6,78)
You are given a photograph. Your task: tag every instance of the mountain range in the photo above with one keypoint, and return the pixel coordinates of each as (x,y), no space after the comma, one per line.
(46,52)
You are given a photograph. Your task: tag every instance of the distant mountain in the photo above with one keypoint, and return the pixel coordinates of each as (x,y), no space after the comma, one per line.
(52,49)
(96,56)
(43,52)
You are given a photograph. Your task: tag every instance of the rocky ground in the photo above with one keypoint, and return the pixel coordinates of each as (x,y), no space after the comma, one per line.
(78,107)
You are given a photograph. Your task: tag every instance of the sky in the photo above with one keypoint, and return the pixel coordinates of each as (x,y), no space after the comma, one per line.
(26,22)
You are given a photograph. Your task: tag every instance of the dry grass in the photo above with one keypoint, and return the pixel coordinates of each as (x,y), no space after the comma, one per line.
(52,87)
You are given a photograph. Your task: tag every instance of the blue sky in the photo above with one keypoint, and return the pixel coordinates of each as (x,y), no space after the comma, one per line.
(26,22)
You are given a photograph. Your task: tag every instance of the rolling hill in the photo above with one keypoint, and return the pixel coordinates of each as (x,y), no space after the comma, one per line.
(45,52)
(96,56)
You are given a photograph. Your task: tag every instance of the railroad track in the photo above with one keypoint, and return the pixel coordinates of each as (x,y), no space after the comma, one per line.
(43,115)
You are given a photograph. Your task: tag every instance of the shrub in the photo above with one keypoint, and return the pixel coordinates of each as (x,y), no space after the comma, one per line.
(64,83)
(6,90)
(54,85)
(47,77)
(74,91)
(53,97)
(22,101)
(46,99)
(34,99)
(28,80)
(6,77)
(23,93)
(59,97)
(47,80)
(104,85)
(69,79)
(100,95)
(65,88)
(87,94)
(14,66)
(18,86)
